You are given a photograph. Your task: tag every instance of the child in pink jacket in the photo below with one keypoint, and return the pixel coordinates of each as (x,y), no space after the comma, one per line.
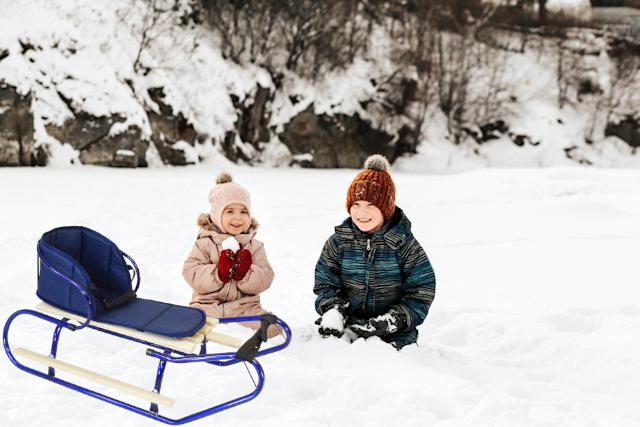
(227,268)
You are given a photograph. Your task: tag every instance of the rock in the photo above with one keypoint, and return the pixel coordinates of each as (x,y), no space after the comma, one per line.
(40,155)
(339,141)
(167,129)
(627,130)
(125,159)
(16,127)
(97,145)
(234,149)
(9,153)
(253,120)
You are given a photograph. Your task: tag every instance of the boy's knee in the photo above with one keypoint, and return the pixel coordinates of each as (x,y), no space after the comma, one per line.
(402,339)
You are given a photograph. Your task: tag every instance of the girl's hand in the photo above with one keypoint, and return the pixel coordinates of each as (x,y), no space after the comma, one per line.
(242,264)
(225,265)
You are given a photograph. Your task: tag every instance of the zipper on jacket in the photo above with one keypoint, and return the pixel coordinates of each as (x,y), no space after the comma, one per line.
(367,258)
(367,250)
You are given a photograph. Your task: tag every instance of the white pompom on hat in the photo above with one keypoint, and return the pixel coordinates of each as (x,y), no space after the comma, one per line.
(225,193)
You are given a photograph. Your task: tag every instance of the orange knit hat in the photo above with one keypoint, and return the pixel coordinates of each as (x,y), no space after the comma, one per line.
(374,184)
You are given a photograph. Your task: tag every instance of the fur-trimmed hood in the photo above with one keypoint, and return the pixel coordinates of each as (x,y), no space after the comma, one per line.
(209,229)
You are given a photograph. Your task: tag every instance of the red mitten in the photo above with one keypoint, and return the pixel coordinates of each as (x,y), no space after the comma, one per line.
(242,264)
(225,265)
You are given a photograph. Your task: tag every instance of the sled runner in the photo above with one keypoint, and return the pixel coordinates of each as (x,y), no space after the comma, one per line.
(83,276)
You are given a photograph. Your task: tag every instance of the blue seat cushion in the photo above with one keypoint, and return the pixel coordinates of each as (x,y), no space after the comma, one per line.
(157,317)
(84,257)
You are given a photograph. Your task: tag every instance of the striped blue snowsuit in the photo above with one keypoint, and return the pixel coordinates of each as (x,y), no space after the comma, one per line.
(376,273)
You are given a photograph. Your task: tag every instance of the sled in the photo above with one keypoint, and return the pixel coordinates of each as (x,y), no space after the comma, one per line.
(83,277)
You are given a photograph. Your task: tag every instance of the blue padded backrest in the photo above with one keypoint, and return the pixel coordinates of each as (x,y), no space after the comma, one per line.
(83,256)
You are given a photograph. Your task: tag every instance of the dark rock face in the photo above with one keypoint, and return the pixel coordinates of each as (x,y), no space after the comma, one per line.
(335,142)
(627,130)
(91,136)
(253,120)
(16,127)
(167,129)
(251,127)
(495,130)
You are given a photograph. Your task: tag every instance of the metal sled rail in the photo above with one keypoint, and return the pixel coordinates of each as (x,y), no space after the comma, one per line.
(248,352)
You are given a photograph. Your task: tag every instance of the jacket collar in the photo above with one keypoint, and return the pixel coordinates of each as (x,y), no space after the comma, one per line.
(209,229)
(394,232)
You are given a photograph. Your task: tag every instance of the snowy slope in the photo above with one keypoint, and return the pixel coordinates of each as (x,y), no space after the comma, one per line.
(535,321)
(85,52)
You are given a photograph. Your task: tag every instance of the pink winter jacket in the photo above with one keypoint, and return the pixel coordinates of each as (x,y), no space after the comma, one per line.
(234,298)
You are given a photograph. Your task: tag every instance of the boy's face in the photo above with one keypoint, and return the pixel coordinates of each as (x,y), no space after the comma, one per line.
(366,216)
(235,219)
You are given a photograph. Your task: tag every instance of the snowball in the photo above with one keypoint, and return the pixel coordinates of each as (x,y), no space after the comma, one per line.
(231,243)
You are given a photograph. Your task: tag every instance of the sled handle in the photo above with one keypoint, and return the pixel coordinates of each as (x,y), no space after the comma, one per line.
(84,294)
(248,351)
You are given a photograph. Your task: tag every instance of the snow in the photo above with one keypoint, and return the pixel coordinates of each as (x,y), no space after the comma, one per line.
(126,153)
(535,321)
(83,55)
(230,243)
(333,319)
(85,52)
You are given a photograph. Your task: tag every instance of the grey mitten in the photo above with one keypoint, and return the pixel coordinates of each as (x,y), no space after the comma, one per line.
(385,324)
(331,323)
(333,320)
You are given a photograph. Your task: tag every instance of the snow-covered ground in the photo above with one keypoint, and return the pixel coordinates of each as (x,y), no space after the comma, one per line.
(535,322)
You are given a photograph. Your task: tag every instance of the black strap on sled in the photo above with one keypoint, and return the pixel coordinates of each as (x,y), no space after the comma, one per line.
(248,351)
(114,302)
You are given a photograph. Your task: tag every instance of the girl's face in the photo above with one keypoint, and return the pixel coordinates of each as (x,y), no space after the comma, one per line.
(235,219)
(366,217)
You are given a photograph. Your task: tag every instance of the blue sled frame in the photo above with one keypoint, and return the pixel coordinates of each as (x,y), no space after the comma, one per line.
(164,355)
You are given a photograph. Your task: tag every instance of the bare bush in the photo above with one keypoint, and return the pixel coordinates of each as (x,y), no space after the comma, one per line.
(620,98)
(454,71)
(156,31)
(625,76)
(304,36)
(567,64)
(247,28)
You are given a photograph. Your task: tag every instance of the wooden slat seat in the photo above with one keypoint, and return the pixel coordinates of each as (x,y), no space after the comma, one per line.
(185,345)
(169,342)
(224,339)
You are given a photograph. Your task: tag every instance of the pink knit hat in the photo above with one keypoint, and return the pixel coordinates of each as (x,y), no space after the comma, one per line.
(225,193)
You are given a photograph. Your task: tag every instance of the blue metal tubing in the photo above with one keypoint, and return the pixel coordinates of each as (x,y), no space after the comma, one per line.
(215,359)
(84,294)
(226,359)
(159,376)
(5,335)
(137,270)
(54,346)
(91,393)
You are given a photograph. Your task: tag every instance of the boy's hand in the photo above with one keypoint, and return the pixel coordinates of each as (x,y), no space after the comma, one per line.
(331,323)
(225,265)
(382,325)
(242,264)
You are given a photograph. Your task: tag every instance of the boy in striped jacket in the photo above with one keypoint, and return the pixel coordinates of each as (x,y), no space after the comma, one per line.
(373,278)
